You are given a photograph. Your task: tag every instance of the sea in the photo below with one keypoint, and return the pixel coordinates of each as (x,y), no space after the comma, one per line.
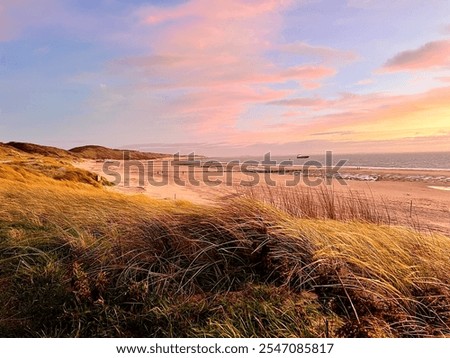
(428,161)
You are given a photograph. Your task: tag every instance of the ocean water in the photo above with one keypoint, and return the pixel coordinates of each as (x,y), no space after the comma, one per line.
(432,160)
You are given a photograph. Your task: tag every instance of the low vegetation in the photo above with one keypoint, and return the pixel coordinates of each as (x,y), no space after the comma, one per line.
(83,152)
(77,260)
(36,149)
(43,170)
(99,152)
(321,203)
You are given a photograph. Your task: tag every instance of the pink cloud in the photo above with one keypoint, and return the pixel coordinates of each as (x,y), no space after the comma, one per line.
(324,54)
(190,71)
(365,82)
(209,112)
(432,55)
(345,102)
(353,118)
(302,102)
(209,62)
(209,43)
(219,10)
(222,26)
(308,76)
(308,72)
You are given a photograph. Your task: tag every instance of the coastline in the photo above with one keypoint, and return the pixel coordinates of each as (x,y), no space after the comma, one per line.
(407,194)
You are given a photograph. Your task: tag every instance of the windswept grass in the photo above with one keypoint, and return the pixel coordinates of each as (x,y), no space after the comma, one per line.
(321,203)
(38,169)
(36,149)
(99,152)
(79,261)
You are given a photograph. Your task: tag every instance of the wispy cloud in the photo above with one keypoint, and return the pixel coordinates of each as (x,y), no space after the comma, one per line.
(235,72)
(209,63)
(320,53)
(230,9)
(365,82)
(301,102)
(335,133)
(432,55)
(364,117)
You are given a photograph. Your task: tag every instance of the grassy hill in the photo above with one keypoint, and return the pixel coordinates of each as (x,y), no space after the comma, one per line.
(30,167)
(99,152)
(84,152)
(8,153)
(77,260)
(47,151)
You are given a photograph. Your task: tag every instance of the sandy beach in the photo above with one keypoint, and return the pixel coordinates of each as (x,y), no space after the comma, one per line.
(418,196)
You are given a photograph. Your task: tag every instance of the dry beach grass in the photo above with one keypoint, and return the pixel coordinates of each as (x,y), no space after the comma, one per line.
(77,260)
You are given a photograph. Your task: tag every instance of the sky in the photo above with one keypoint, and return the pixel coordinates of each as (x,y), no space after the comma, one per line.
(227,77)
